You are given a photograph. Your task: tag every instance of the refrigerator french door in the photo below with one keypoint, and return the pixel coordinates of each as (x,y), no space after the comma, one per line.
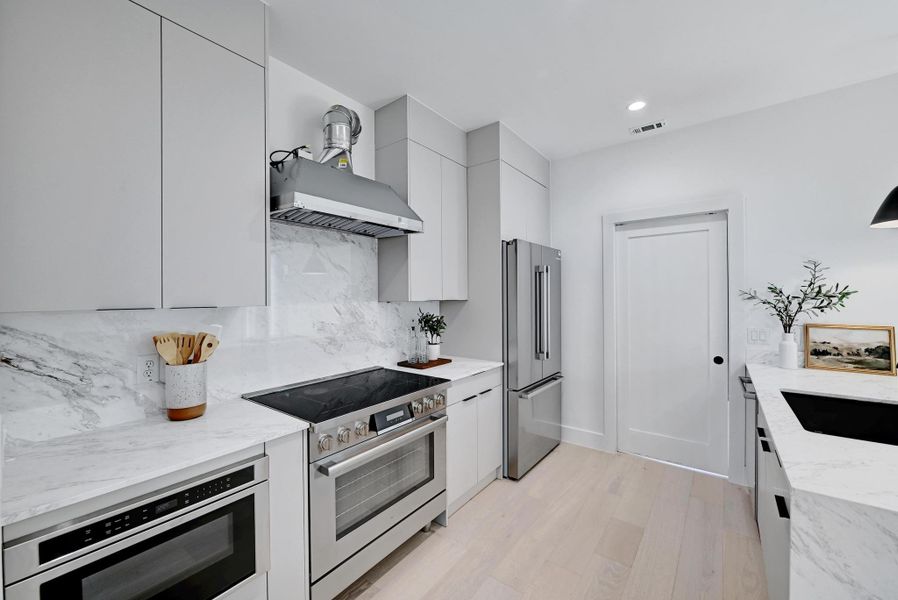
(532,331)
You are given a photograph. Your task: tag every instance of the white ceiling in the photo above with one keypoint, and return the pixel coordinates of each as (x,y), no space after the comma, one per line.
(562,72)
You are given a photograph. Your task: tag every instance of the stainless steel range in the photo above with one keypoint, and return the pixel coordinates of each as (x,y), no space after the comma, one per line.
(377,465)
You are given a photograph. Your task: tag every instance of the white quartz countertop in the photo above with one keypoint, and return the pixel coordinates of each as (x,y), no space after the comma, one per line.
(459,368)
(847,469)
(44,476)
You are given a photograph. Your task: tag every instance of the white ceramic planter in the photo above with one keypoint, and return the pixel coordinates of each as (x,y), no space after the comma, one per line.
(788,352)
(185,391)
(433,352)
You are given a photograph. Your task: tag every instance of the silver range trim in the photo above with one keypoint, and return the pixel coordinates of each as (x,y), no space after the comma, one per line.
(364,454)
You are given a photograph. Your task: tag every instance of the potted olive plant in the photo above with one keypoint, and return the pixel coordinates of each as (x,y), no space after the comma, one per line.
(814,297)
(433,327)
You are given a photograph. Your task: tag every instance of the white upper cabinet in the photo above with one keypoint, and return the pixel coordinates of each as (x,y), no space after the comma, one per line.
(422,156)
(454,230)
(425,248)
(213,149)
(238,25)
(80,171)
(524,205)
(132,155)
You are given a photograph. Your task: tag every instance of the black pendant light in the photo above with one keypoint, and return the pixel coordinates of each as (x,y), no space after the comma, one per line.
(887,215)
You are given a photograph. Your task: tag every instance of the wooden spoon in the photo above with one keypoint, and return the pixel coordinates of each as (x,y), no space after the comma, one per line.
(167,347)
(210,343)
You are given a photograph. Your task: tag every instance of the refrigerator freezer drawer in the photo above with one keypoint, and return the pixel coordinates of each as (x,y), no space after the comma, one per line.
(533,425)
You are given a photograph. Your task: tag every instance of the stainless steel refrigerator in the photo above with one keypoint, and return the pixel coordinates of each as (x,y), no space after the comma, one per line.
(532,352)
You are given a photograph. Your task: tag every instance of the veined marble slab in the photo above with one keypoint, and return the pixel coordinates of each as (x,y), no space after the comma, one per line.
(844,492)
(459,368)
(44,476)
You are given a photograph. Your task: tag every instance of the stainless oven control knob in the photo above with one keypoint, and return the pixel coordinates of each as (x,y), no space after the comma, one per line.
(440,399)
(343,435)
(324,442)
(417,407)
(429,403)
(361,429)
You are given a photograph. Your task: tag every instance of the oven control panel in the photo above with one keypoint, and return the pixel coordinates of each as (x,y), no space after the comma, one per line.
(117,524)
(329,441)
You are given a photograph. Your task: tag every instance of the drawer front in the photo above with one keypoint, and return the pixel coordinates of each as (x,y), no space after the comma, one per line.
(474,385)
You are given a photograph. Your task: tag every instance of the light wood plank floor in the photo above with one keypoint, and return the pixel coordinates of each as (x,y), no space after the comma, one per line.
(584,525)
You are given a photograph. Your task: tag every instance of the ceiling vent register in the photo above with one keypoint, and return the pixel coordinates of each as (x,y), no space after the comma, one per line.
(655,126)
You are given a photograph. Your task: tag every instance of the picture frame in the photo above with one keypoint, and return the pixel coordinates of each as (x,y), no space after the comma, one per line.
(850,348)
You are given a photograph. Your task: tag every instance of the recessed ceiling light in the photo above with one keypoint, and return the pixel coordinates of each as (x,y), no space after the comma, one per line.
(638,105)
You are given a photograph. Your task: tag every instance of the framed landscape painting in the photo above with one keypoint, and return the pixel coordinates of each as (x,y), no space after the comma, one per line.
(855,348)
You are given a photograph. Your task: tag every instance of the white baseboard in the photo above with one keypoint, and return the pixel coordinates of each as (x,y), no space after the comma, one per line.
(585,438)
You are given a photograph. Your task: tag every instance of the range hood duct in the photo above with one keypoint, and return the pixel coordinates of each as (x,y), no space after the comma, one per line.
(327,194)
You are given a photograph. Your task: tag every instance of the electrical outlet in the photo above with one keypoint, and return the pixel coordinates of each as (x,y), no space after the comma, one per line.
(148,368)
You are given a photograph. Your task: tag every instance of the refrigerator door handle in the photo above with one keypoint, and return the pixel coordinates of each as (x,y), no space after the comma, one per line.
(547,318)
(539,296)
(547,386)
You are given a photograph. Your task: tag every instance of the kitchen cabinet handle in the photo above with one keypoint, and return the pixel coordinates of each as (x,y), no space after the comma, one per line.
(777,455)
(781,507)
(469,398)
(765,446)
(761,432)
(486,391)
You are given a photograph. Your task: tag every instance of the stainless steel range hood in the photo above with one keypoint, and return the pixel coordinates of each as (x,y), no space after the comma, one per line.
(304,192)
(327,193)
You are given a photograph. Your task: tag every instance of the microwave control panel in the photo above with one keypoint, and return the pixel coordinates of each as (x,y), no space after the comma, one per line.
(119,523)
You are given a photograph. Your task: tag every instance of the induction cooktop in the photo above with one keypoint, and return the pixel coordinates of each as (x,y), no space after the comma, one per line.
(325,399)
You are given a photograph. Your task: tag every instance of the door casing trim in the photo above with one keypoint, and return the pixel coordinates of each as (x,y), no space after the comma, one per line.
(734,207)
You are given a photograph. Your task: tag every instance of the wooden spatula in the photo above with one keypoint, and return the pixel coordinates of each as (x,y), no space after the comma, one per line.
(198,346)
(185,347)
(167,347)
(210,343)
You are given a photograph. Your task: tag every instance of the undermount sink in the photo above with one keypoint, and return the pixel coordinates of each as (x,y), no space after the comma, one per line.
(856,419)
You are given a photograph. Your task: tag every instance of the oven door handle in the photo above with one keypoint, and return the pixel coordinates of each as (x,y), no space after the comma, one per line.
(335,469)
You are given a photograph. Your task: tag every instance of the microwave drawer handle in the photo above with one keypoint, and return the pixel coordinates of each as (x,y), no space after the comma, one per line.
(332,469)
(542,388)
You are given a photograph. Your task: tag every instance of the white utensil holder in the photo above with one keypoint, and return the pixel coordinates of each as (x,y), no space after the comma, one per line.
(185,391)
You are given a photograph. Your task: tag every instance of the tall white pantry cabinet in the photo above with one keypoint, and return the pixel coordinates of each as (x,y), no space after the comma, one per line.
(132,160)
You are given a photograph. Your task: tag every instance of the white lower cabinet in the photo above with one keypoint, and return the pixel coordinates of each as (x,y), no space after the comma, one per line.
(461,449)
(473,436)
(773,515)
(489,432)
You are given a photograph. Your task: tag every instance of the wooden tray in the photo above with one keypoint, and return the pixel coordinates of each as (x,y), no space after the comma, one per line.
(427,365)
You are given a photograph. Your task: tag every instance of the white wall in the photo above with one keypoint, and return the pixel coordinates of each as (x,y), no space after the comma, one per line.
(296,103)
(813,172)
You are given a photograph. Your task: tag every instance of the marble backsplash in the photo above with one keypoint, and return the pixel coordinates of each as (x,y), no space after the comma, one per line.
(67,372)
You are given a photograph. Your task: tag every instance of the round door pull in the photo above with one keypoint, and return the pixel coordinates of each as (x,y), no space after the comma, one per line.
(718,360)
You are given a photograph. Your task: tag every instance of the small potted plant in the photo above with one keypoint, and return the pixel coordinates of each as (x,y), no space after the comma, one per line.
(814,297)
(433,327)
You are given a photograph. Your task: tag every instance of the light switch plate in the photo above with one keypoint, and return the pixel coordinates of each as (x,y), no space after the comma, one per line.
(758,336)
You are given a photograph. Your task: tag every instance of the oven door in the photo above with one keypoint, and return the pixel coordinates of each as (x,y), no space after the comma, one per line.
(199,555)
(358,494)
